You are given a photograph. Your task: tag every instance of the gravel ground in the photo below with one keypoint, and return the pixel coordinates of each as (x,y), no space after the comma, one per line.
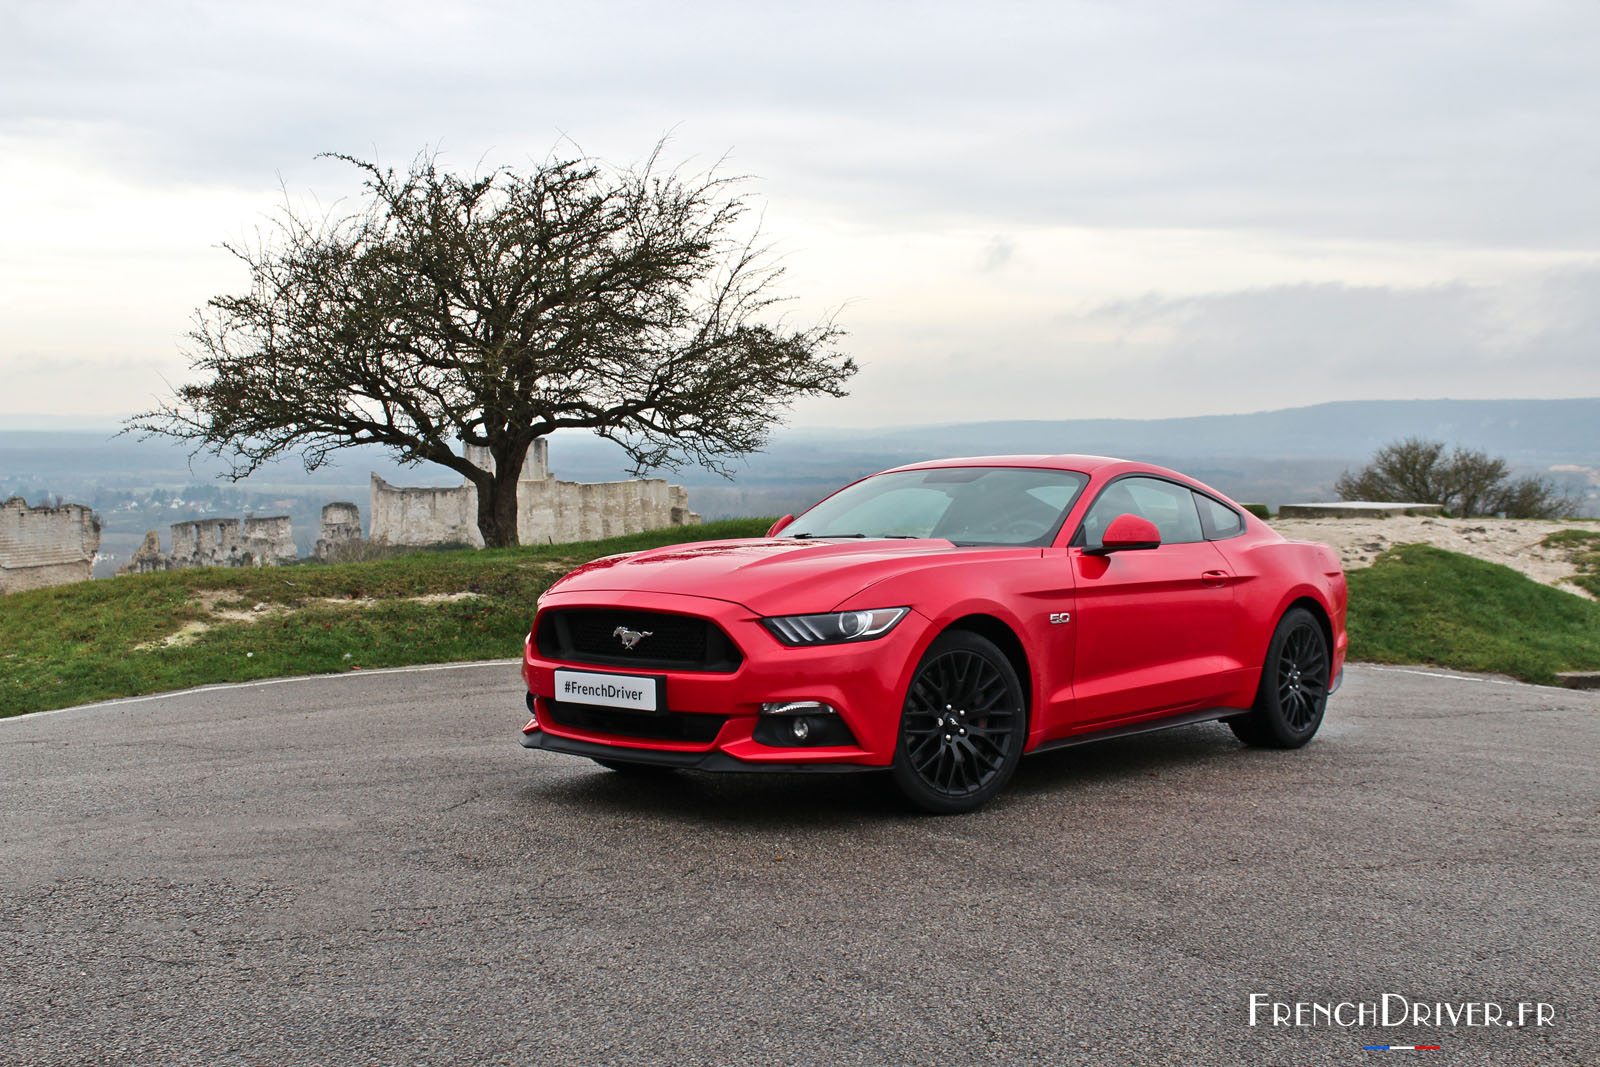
(368,869)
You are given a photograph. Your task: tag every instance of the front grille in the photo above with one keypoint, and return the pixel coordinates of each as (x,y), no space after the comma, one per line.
(676,642)
(656,726)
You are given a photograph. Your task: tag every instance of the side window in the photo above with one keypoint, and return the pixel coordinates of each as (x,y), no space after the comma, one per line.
(1220,520)
(1170,507)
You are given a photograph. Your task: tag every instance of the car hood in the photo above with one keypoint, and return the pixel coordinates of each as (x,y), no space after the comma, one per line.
(770,576)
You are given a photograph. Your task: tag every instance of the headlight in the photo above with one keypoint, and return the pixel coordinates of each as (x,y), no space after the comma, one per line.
(836,627)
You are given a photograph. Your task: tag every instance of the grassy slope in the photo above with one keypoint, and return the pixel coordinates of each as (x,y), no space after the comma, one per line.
(78,643)
(1420,604)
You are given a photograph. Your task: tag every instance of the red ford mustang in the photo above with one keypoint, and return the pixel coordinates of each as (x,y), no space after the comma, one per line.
(941,620)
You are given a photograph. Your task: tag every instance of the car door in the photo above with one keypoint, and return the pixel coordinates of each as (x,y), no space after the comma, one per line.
(1154,626)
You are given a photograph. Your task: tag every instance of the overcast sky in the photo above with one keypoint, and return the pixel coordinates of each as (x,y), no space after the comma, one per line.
(1044,210)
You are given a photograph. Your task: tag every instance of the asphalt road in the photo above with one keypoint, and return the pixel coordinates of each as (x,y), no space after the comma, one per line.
(370,869)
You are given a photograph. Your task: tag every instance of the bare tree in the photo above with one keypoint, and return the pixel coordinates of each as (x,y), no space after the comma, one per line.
(495,309)
(1466,482)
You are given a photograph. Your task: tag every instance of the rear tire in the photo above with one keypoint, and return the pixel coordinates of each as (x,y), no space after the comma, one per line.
(962,726)
(1293,693)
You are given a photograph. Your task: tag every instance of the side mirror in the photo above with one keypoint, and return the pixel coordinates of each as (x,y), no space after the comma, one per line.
(1127,533)
(776,528)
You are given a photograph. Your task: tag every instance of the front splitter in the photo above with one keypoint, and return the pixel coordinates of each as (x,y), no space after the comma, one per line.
(719,762)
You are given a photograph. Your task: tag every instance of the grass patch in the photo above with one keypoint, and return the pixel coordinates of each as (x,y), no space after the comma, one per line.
(73,644)
(1420,604)
(1583,549)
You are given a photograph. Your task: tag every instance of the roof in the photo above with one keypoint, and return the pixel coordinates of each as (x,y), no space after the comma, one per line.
(1108,466)
(1081,463)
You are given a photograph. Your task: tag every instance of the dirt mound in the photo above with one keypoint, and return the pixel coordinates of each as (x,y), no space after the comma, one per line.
(1517,543)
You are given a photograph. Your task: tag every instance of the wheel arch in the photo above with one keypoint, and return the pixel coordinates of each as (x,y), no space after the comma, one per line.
(1007,641)
(1318,612)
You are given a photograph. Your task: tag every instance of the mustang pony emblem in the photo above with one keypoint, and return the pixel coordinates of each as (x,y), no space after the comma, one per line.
(630,638)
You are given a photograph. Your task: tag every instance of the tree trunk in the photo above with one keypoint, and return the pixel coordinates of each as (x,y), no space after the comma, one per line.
(497,498)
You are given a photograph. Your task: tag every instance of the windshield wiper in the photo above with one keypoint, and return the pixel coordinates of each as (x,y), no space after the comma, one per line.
(886,537)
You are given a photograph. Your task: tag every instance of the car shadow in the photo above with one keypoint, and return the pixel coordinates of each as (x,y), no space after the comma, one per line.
(828,801)
(1176,750)
(756,800)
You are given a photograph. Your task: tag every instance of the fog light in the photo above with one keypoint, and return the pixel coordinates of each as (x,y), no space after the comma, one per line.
(798,707)
(823,727)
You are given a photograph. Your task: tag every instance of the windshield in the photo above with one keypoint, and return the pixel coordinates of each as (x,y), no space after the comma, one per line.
(967,505)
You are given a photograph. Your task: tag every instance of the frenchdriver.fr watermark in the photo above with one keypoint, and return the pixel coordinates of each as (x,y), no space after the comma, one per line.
(1390,1010)
(1395,1010)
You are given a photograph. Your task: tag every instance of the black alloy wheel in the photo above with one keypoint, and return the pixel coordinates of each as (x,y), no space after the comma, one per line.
(1293,693)
(962,727)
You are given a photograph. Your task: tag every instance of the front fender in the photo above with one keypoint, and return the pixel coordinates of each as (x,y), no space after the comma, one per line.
(1047,649)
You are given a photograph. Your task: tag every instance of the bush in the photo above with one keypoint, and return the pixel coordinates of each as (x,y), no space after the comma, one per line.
(1467,483)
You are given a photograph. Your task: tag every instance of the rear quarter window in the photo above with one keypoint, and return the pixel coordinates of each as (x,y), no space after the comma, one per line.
(1220,520)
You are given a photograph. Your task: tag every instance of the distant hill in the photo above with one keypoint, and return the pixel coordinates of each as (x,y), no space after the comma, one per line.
(1531,432)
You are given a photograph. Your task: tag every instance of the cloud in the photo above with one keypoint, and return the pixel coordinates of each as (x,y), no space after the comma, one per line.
(997,253)
(1243,350)
(1344,119)
(1508,338)
(1344,198)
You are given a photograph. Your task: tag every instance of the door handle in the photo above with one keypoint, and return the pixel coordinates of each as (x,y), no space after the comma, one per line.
(1214,578)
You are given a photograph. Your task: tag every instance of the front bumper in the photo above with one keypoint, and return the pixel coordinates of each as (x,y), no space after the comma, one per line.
(688,761)
(865,682)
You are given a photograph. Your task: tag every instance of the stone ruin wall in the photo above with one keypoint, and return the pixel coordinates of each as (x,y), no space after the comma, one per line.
(548,510)
(263,542)
(41,547)
(255,542)
(554,512)
(404,516)
(51,546)
(341,527)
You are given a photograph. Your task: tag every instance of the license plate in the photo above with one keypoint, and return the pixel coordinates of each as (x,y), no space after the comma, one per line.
(638,693)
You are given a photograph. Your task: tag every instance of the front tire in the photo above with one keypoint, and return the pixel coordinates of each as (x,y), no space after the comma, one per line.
(962,726)
(1293,693)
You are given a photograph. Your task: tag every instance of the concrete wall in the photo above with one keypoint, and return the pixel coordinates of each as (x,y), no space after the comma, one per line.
(46,546)
(548,510)
(1356,509)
